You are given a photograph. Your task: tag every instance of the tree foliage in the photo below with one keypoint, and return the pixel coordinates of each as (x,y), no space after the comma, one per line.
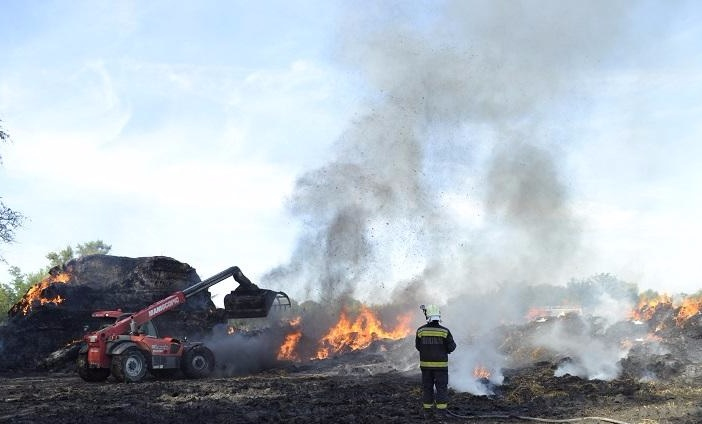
(591,290)
(10,220)
(11,292)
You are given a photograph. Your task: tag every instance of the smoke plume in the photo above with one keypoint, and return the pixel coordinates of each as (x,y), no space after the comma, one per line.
(448,182)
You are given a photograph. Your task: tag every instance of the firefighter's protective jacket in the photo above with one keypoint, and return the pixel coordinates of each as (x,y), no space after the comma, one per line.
(434,342)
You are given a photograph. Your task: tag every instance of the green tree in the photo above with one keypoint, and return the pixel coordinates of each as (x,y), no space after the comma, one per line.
(10,220)
(85,249)
(97,247)
(12,291)
(649,294)
(589,292)
(60,257)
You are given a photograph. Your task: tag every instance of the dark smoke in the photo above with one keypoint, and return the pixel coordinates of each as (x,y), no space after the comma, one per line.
(459,94)
(450,180)
(244,352)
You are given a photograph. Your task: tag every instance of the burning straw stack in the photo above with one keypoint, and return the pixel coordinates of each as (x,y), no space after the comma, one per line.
(54,313)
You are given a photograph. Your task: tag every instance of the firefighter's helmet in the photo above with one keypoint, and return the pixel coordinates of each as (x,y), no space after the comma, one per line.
(432,313)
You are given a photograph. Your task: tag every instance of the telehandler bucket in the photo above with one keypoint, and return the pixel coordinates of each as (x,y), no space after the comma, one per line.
(255,303)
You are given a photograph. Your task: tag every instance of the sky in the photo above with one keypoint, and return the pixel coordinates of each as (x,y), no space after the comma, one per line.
(329,149)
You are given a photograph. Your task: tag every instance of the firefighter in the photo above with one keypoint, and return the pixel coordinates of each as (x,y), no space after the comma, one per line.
(434,342)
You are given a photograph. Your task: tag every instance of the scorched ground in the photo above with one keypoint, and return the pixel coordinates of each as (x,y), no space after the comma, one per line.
(340,390)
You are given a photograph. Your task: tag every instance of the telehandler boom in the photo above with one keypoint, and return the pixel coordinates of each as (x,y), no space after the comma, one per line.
(130,347)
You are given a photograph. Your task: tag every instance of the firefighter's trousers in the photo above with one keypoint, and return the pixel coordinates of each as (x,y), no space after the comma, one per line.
(430,379)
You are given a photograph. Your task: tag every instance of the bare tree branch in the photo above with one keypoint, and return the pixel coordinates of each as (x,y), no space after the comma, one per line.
(10,220)
(3,137)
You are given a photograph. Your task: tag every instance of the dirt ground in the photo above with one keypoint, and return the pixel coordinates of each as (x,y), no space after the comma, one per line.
(343,394)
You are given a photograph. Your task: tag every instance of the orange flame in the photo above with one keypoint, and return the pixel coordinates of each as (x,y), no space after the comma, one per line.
(647,306)
(690,307)
(686,308)
(287,349)
(359,334)
(481,372)
(36,292)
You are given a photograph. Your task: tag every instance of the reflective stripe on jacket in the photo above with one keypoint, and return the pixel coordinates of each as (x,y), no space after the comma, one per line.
(434,342)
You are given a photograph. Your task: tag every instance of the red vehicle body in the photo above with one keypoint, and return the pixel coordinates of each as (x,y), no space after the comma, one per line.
(130,348)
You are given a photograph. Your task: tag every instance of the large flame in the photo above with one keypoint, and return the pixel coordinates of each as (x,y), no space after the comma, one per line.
(36,292)
(689,307)
(683,309)
(359,333)
(346,335)
(648,306)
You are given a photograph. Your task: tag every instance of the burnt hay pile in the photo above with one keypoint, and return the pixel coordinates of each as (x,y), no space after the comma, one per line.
(656,350)
(53,315)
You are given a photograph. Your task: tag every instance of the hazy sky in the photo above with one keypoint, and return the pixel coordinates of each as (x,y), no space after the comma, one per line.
(181,128)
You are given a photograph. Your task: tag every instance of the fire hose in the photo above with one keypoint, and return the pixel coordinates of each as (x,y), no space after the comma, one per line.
(541,420)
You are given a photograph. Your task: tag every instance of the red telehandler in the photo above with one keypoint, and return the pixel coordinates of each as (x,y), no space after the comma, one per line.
(130,347)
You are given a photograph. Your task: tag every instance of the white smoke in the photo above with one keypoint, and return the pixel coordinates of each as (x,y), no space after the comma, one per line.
(611,309)
(472,357)
(465,103)
(588,356)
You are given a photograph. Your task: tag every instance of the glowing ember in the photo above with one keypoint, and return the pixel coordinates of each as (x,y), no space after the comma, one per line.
(36,292)
(481,372)
(359,334)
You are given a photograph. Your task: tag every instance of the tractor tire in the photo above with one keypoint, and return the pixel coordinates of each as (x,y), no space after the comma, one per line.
(91,375)
(198,362)
(129,366)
